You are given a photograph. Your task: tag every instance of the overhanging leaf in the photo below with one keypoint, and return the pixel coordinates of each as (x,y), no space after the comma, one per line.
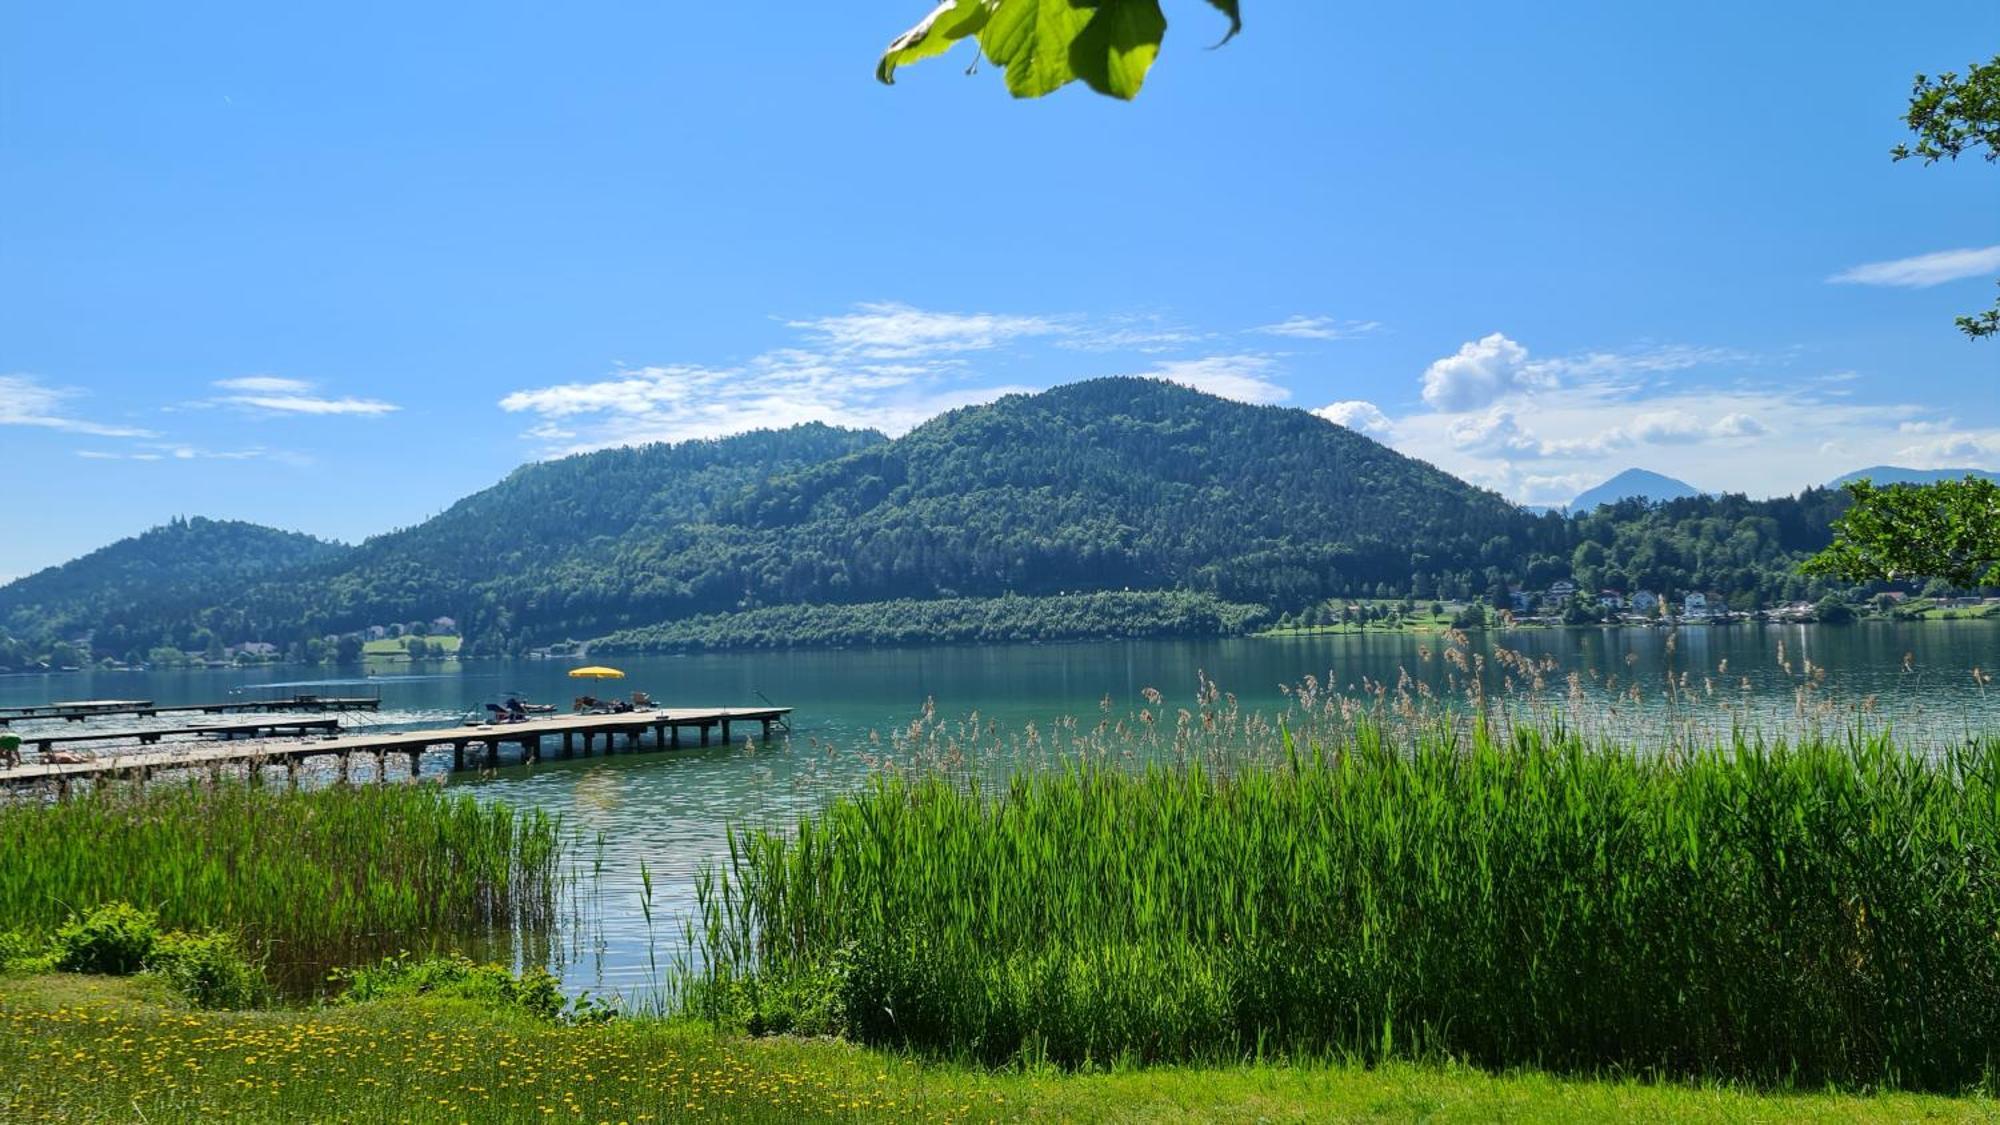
(1118,46)
(935,34)
(1230,8)
(1031,40)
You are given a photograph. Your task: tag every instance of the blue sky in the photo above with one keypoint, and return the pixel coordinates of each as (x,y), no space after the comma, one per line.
(332,267)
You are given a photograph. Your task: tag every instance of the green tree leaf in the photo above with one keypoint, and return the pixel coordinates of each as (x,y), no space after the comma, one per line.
(1952,116)
(1044,45)
(1118,46)
(935,34)
(1031,39)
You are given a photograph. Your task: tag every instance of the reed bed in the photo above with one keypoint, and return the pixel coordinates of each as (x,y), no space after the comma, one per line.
(1823,910)
(312,879)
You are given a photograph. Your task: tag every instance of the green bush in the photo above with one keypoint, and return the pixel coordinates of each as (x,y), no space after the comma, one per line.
(24,953)
(458,978)
(114,939)
(210,969)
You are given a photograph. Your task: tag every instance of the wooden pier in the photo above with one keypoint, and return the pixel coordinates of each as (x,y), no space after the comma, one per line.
(77,711)
(272,728)
(475,747)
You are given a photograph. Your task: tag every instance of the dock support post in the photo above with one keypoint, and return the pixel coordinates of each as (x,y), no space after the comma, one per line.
(346,767)
(62,788)
(569,744)
(531,749)
(458,756)
(704,734)
(767,731)
(381,765)
(416,761)
(674,737)
(659,736)
(725,733)
(632,740)
(492,753)
(292,771)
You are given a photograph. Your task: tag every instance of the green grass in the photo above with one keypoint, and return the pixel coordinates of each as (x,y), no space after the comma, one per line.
(1819,912)
(91,1049)
(311,878)
(398,646)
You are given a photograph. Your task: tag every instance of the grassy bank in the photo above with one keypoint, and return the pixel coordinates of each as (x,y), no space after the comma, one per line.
(85,1048)
(311,879)
(1820,912)
(1071,617)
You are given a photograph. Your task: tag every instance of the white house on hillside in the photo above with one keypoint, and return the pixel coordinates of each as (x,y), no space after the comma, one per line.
(1645,601)
(1695,605)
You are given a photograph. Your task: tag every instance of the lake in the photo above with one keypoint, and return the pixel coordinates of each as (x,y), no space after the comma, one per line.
(670,811)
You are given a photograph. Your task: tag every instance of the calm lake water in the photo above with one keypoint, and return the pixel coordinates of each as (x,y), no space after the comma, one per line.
(670,810)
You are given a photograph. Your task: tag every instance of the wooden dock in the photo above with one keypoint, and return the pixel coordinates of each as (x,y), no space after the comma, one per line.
(471,746)
(77,711)
(271,728)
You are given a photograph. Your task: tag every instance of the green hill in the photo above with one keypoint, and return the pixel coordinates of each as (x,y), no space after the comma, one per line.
(166,583)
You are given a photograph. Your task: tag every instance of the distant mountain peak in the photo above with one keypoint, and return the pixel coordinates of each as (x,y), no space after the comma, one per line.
(1641,484)
(1893,474)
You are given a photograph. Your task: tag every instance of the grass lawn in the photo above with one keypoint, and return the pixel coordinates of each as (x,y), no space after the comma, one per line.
(397,646)
(93,1049)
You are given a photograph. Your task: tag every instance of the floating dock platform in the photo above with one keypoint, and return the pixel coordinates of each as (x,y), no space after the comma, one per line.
(475,747)
(80,710)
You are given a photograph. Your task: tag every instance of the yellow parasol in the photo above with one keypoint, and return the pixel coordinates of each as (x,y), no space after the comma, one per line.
(596,672)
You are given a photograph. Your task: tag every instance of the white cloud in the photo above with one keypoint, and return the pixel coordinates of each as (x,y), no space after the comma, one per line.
(1481,373)
(892,330)
(637,405)
(1127,333)
(1971,450)
(1738,424)
(265,384)
(1357,415)
(1319,328)
(162,451)
(293,396)
(1245,378)
(1666,427)
(1496,433)
(1924,270)
(27,401)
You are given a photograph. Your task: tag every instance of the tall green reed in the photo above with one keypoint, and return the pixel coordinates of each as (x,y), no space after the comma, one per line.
(1821,910)
(312,878)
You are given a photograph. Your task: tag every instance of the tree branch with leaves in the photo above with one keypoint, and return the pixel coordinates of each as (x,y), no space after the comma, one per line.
(1044,45)
(1948,530)
(1952,116)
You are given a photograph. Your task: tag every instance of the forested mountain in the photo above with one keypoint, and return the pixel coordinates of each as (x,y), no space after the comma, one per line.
(135,590)
(1109,485)
(558,547)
